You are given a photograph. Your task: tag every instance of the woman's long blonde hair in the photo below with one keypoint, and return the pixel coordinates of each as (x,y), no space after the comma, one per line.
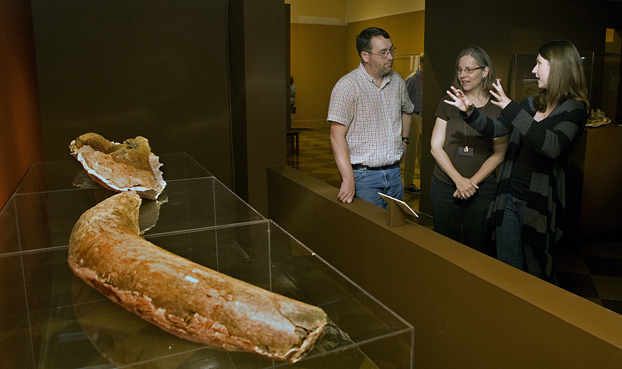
(566,77)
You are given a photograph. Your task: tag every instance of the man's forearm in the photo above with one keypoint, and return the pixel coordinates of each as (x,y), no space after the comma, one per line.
(406,121)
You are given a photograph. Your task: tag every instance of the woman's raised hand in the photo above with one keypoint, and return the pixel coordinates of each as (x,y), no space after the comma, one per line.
(460,100)
(499,94)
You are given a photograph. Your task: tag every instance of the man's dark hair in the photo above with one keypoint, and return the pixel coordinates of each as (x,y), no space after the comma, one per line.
(363,41)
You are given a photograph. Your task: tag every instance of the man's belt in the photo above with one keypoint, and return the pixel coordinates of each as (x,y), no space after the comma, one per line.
(365,167)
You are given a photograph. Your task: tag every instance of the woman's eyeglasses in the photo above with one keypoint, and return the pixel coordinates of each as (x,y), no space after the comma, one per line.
(467,70)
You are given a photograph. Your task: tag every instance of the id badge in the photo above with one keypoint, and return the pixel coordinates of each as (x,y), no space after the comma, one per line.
(465,151)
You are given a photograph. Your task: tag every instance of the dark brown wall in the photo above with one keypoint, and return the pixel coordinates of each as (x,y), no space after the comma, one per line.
(237,70)
(126,68)
(502,29)
(266,93)
(600,159)
(259,93)
(20,138)
(202,77)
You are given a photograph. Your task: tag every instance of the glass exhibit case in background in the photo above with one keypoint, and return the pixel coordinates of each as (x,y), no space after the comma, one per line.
(49,318)
(602,72)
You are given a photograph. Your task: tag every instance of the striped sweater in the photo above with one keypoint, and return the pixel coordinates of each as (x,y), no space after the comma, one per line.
(555,138)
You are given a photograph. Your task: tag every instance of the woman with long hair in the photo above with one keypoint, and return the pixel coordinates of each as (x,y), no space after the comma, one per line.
(463,183)
(529,210)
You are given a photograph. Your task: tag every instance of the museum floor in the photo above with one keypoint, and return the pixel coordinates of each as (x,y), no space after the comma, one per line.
(590,267)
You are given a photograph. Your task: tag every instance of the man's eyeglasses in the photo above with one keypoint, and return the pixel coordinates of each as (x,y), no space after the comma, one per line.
(467,70)
(385,53)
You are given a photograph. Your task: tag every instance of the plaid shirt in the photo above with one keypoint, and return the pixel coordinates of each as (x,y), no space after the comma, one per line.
(373,115)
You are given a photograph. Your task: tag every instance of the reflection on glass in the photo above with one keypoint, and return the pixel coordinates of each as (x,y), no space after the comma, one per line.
(51,319)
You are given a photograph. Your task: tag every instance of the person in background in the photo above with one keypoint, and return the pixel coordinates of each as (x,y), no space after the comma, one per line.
(414,86)
(292,97)
(369,115)
(463,185)
(529,211)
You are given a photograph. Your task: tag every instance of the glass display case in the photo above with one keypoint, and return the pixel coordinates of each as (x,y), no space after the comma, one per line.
(602,72)
(49,318)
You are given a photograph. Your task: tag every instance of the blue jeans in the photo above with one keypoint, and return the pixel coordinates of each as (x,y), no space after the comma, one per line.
(462,219)
(369,182)
(510,246)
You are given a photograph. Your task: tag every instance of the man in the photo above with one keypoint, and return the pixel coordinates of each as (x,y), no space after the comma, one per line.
(369,116)
(414,86)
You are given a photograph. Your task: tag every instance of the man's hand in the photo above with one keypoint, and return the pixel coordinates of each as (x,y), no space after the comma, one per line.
(346,192)
(342,158)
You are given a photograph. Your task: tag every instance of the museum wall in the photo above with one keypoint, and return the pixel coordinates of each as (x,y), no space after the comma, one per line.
(318,60)
(469,311)
(326,12)
(161,69)
(122,69)
(267,87)
(342,12)
(502,29)
(21,141)
(358,10)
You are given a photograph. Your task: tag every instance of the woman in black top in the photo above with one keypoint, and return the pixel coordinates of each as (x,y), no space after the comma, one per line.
(463,183)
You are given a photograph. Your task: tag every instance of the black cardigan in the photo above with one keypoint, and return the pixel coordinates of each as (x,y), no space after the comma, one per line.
(555,138)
